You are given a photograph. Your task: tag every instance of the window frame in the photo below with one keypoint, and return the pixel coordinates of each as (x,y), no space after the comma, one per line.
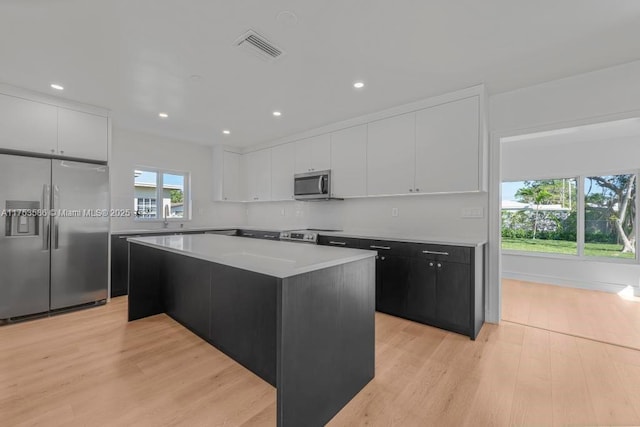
(580,223)
(186,216)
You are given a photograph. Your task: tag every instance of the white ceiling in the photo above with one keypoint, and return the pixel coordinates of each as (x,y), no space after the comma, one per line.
(136,57)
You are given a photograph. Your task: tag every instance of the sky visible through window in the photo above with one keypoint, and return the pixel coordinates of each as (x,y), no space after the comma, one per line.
(147,177)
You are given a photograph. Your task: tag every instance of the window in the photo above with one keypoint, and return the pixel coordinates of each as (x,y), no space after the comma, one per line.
(161,194)
(609,216)
(543,216)
(540,216)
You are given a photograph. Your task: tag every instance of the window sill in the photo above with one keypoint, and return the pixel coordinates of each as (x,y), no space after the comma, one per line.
(582,258)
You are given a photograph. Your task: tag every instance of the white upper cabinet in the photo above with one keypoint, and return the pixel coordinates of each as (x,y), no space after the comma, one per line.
(313,154)
(258,173)
(447,147)
(232,178)
(28,126)
(432,146)
(349,162)
(282,171)
(390,155)
(42,128)
(82,135)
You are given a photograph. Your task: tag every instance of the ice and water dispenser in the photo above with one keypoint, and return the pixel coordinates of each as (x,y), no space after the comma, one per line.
(21,219)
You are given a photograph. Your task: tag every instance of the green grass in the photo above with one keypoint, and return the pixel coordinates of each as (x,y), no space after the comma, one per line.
(563,247)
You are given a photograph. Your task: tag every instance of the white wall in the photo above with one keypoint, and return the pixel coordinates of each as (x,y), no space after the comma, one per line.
(607,94)
(131,149)
(428,216)
(533,159)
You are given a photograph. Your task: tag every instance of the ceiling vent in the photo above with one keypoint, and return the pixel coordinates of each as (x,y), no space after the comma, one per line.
(259,45)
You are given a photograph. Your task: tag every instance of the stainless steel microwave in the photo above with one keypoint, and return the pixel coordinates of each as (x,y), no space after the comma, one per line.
(312,185)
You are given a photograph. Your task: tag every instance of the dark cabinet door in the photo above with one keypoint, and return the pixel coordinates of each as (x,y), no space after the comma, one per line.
(453,295)
(421,296)
(119,265)
(392,283)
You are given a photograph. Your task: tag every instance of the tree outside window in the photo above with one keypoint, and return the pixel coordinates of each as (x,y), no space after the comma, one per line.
(543,216)
(610,212)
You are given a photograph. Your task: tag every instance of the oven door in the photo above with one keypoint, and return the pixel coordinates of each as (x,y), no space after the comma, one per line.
(311,185)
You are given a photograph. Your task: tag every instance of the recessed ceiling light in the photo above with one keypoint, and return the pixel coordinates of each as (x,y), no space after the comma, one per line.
(226,131)
(163,115)
(358,85)
(57,86)
(277,113)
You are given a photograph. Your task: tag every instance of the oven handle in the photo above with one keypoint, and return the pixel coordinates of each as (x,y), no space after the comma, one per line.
(320,184)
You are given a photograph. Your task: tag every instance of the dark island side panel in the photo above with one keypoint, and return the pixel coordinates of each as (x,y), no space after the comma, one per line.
(186,291)
(244,318)
(327,338)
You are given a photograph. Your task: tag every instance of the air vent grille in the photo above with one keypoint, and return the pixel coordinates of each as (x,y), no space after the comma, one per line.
(259,45)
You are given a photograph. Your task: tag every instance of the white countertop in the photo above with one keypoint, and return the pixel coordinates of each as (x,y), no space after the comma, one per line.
(279,259)
(196,229)
(406,238)
(358,234)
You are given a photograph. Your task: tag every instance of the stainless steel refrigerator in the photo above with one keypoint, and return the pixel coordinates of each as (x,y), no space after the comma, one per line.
(54,234)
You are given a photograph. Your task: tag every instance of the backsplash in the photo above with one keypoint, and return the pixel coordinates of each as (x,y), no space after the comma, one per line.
(425,215)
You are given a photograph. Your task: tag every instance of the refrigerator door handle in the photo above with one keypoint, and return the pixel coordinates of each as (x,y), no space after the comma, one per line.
(46,218)
(54,204)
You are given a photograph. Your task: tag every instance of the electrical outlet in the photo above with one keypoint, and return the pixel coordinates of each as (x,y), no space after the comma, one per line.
(394,211)
(282,212)
(475,212)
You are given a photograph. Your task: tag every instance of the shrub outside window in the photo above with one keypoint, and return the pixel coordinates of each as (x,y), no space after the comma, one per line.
(540,216)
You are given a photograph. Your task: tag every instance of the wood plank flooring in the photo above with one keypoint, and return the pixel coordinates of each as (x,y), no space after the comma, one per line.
(92,368)
(595,315)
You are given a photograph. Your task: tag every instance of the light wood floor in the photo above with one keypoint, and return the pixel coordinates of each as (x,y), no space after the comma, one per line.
(92,368)
(596,315)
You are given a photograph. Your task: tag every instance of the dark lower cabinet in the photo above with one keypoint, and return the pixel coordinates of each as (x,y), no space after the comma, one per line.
(453,295)
(392,283)
(439,285)
(119,265)
(422,296)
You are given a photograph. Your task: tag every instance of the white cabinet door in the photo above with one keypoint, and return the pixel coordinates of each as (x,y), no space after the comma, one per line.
(349,162)
(82,135)
(27,125)
(390,155)
(321,152)
(302,156)
(448,147)
(232,184)
(259,175)
(282,171)
(313,154)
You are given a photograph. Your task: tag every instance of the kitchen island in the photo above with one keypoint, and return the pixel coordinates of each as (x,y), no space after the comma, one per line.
(299,316)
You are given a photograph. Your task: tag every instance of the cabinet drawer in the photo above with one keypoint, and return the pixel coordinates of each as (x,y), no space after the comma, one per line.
(448,253)
(387,247)
(343,242)
(257,234)
(269,235)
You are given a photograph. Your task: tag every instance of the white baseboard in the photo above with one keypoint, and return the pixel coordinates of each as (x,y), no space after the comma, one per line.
(560,281)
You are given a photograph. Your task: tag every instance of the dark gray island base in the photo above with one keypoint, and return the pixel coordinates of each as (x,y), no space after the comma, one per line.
(311,335)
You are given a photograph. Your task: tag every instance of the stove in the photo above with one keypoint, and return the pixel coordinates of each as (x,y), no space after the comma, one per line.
(304,236)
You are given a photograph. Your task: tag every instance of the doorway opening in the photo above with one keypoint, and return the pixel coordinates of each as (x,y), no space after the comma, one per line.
(568,231)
